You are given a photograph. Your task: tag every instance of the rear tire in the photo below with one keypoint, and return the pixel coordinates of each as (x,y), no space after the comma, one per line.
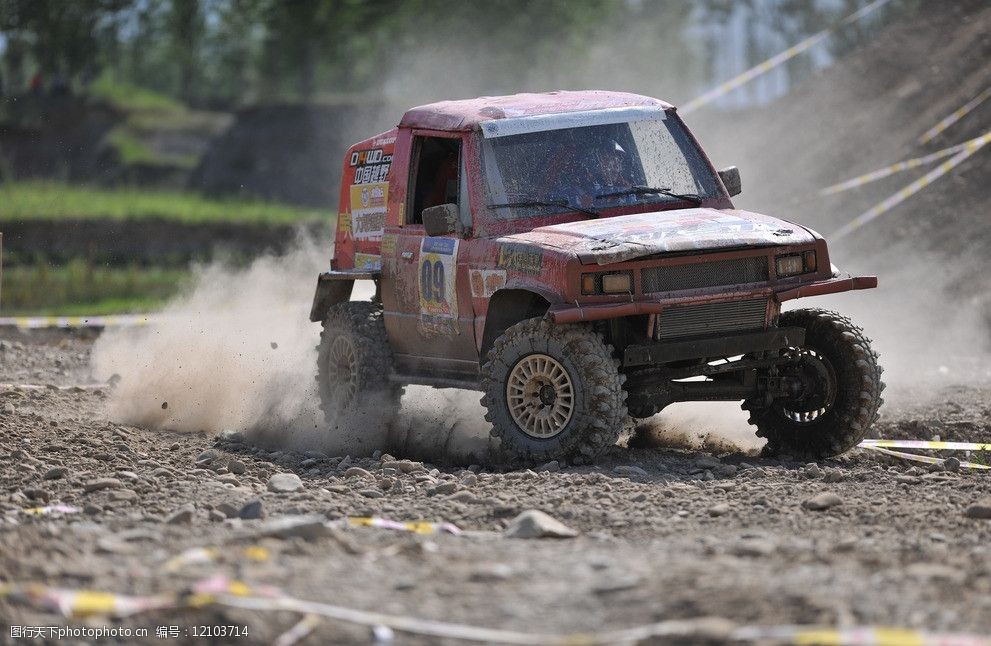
(553,392)
(353,367)
(836,415)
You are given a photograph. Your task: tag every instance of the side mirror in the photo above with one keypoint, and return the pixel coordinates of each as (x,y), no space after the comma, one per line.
(731,180)
(441,220)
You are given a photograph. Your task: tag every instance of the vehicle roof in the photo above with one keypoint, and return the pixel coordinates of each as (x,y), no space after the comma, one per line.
(467,114)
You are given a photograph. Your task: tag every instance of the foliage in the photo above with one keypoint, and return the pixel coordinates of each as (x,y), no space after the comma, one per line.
(32,200)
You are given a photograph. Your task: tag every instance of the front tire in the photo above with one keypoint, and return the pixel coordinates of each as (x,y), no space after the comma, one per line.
(553,392)
(841,394)
(353,366)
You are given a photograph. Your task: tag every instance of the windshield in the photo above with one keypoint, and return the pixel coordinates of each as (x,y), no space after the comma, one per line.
(594,167)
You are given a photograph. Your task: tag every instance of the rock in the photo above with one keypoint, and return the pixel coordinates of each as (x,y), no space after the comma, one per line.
(9,409)
(726,470)
(127,475)
(181,516)
(980,509)
(753,547)
(284,483)
(489,572)
(640,497)
(217,516)
(236,467)
(629,470)
(252,511)
(553,466)
(822,502)
(536,524)
(470,480)
(91,510)
(833,475)
(122,495)
(229,478)
(443,488)
(951,464)
(402,466)
(102,483)
(56,473)
(208,456)
(37,494)
(357,472)
(307,527)
(227,509)
(719,509)
(812,470)
(371,493)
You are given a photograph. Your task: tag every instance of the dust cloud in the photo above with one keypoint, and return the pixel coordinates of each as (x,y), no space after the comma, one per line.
(237,353)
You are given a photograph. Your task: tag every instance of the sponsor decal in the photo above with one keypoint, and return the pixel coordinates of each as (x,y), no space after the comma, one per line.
(370,166)
(367,262)
(345,223)
(486,282)
(368,209)
(521,258)
(389,244)
(437,283)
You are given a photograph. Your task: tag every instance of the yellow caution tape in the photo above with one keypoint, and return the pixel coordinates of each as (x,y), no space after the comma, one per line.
(776,60)
(928,444)
(908,164)
(859,636)
(74,322)
(923,458)
(910,190)
(955,116)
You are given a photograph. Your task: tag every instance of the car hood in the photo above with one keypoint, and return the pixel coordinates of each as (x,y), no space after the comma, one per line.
(626,237)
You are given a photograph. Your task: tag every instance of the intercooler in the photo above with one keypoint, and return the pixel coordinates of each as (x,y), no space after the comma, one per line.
(704,274)
(711,318)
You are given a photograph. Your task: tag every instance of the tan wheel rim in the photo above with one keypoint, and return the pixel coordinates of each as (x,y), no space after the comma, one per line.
(342,365)
(540,395)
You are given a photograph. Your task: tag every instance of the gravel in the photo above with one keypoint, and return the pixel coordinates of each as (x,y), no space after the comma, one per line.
(740,544)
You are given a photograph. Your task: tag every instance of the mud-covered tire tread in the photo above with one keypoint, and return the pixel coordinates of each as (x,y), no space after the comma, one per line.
(362,321)
(596,425)
(858,399)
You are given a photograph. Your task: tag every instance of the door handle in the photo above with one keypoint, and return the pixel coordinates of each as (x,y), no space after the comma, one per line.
(407,256)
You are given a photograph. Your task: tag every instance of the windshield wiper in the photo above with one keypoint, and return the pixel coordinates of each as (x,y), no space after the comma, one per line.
(564,204)
(652,190)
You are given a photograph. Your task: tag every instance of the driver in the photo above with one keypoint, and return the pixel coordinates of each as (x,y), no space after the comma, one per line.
(609,171)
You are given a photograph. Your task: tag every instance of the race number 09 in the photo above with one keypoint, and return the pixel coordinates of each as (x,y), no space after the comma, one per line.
(432,281)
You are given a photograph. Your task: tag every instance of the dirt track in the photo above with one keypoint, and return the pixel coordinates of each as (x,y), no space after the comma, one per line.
(694,535)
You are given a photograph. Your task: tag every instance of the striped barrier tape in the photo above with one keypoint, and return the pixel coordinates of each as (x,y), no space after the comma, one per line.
(955,116)
(908,164)
(221,591)
(776,60)
(74,322)
(926,459)
(928,444)
(894,200)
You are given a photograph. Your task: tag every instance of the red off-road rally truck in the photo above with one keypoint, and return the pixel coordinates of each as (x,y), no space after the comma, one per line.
(576,258)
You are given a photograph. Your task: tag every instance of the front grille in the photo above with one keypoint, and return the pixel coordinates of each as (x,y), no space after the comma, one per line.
(704,274)
(711,318)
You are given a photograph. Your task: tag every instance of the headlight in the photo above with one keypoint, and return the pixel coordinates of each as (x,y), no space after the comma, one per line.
(789,265)
(615,283)
(795,264)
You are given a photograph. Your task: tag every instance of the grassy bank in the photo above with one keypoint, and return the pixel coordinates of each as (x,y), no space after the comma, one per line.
(81,288)
(44,200)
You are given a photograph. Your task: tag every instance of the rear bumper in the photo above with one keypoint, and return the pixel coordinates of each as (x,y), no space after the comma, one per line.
(574,313)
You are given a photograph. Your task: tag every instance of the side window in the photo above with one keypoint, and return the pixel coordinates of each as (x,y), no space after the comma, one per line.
(437,162)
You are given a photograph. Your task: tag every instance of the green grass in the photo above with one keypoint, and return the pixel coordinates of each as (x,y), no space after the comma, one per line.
(81,288)
(133,150)
(131,98)
(45,200)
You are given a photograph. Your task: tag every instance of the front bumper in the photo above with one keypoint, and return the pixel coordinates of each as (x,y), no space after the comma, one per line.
(575,312)
(725,345)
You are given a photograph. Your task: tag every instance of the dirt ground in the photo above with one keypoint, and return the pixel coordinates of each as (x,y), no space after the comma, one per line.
(662,533)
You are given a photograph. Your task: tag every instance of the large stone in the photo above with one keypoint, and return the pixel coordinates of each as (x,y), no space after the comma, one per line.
(102,483)
(536,524)
(284,483)
(181,516)
(980,509)
(629,470)
(822,502)
(252,511)
(308,527)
